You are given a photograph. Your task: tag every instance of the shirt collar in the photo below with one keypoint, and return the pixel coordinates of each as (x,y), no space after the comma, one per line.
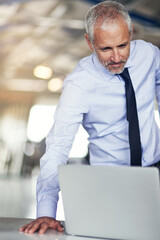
(130,61)
(100,68)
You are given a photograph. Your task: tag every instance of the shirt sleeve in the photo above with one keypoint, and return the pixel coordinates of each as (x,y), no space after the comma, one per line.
(157,77)
(68,117)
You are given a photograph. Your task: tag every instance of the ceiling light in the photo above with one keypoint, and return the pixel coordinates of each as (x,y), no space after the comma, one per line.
(42,72)
(55,84)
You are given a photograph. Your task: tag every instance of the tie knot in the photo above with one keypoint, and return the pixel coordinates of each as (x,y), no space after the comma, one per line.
(125,73)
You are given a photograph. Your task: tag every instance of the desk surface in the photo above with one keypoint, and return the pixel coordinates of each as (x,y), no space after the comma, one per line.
(9,231)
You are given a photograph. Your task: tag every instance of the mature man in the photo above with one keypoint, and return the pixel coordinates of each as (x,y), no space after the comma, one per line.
(99,94)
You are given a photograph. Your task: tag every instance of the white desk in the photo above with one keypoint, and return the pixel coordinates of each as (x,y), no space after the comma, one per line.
(9,231)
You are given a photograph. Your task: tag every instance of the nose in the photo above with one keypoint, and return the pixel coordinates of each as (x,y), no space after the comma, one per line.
(115,55)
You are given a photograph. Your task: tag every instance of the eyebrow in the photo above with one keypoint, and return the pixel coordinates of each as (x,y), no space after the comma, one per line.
(123,44)
(120,45)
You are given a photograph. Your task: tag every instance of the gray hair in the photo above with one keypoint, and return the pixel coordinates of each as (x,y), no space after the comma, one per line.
(105,11)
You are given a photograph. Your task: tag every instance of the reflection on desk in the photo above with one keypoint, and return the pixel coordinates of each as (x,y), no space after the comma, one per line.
(9,231)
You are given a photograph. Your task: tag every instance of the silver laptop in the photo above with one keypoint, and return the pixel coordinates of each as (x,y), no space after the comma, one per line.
(111,202)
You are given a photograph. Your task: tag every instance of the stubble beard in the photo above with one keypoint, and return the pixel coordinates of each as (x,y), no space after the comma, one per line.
(107,65)
(114,70)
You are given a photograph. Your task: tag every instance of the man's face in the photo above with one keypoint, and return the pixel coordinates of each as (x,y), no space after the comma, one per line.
(111,45)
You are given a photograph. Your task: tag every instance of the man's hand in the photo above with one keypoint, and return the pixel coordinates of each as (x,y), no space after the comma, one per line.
(41,225)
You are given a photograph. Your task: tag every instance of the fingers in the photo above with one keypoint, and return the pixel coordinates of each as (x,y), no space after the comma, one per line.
(24,228)
(38,224)
(42,224)
(31,227)
(43,228)
(60,228)
(56,225)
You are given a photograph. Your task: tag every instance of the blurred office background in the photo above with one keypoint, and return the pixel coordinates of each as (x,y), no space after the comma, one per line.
(40,43)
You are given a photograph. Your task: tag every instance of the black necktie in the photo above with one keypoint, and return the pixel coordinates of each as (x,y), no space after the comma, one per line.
(132,117)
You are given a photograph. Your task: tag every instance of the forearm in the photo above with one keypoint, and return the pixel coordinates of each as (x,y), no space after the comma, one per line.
(57,151)
(47,196)
(157,78)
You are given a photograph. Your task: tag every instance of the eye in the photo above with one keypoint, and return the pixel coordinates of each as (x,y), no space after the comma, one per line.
(123,45)
(105,49)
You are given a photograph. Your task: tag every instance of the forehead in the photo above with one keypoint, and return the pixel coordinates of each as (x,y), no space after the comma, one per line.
(113,32)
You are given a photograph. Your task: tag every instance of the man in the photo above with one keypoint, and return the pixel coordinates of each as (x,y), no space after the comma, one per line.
(94,95)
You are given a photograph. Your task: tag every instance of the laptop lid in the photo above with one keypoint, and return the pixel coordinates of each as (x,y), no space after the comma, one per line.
(111,201)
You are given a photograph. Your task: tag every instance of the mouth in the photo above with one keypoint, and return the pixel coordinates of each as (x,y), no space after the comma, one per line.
(116,64)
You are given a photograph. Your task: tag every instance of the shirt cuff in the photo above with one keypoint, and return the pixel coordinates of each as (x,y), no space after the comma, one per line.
(46,209)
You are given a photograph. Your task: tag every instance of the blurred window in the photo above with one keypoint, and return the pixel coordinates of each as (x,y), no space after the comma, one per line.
(41,120)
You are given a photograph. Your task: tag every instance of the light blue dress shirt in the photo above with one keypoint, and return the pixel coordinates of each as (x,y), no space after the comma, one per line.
(96,99)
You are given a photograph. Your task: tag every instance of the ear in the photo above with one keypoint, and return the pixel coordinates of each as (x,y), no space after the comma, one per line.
(89,42)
